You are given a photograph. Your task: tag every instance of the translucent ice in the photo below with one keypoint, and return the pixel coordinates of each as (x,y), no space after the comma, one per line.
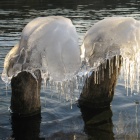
(49,44)
(111,37)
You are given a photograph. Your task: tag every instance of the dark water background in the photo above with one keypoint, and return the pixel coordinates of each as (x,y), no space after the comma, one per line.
(58,121)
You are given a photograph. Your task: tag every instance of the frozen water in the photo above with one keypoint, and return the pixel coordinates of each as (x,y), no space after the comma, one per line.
(111,37)
(49,44)
(10,60)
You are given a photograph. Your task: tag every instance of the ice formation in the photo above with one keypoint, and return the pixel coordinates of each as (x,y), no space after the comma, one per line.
(49,44)
(111,37)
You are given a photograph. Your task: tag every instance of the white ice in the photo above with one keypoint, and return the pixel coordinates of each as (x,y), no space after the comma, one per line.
(111,37)
(49,44)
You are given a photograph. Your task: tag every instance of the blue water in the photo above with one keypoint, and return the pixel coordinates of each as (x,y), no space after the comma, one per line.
(58,121)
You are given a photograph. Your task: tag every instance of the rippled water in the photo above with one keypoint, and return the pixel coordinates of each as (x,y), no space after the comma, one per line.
(58,120)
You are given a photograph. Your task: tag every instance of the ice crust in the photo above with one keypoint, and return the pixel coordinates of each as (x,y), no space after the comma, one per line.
(115,36)
(112,36)
(49,44)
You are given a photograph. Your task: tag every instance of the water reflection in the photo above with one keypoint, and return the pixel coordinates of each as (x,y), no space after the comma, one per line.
(97,126)
(26,128)
(98,123)
(69,4)
(127,127)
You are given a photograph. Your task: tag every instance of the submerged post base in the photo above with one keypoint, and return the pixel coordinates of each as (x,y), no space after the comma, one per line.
(25,99)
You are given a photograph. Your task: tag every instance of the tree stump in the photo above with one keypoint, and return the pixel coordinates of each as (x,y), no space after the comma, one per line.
(100,95)
(25,99)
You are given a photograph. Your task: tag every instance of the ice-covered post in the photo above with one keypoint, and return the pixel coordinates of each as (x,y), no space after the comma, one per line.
(98,90)
(107,45)
(48,49)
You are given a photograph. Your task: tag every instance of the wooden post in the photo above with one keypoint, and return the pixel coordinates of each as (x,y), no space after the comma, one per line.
(98,92)
(25,99)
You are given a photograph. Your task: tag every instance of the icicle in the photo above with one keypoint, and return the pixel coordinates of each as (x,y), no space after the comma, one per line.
(79,86)
(116,65)
(71,92)
(95,77)
(63,87)
(119,59)
(105,64)
(84,77)
(45,99)
(132,76)
(37,87)
(138,76)
(99,76)
(51,88)
(127,73)
(127,91)
(137,82)
(102,72)
(112,66)
(109,68)
(74,82)
(71,103)
(82,80)
(6,86)
(67,91)
(71,87)
(117,71)
(55,86)
(77,82)
(59,90)
(6,79)
(45,83)
(116,61)
(124,72)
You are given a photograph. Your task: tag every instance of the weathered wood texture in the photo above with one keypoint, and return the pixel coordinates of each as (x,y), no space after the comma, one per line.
(25,99)
(100,95)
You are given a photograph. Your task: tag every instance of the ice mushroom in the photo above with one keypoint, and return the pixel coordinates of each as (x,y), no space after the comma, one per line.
(49,44)
(115,36)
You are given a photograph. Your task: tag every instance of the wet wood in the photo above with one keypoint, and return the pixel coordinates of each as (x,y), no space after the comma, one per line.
(25,99)
(98,92)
